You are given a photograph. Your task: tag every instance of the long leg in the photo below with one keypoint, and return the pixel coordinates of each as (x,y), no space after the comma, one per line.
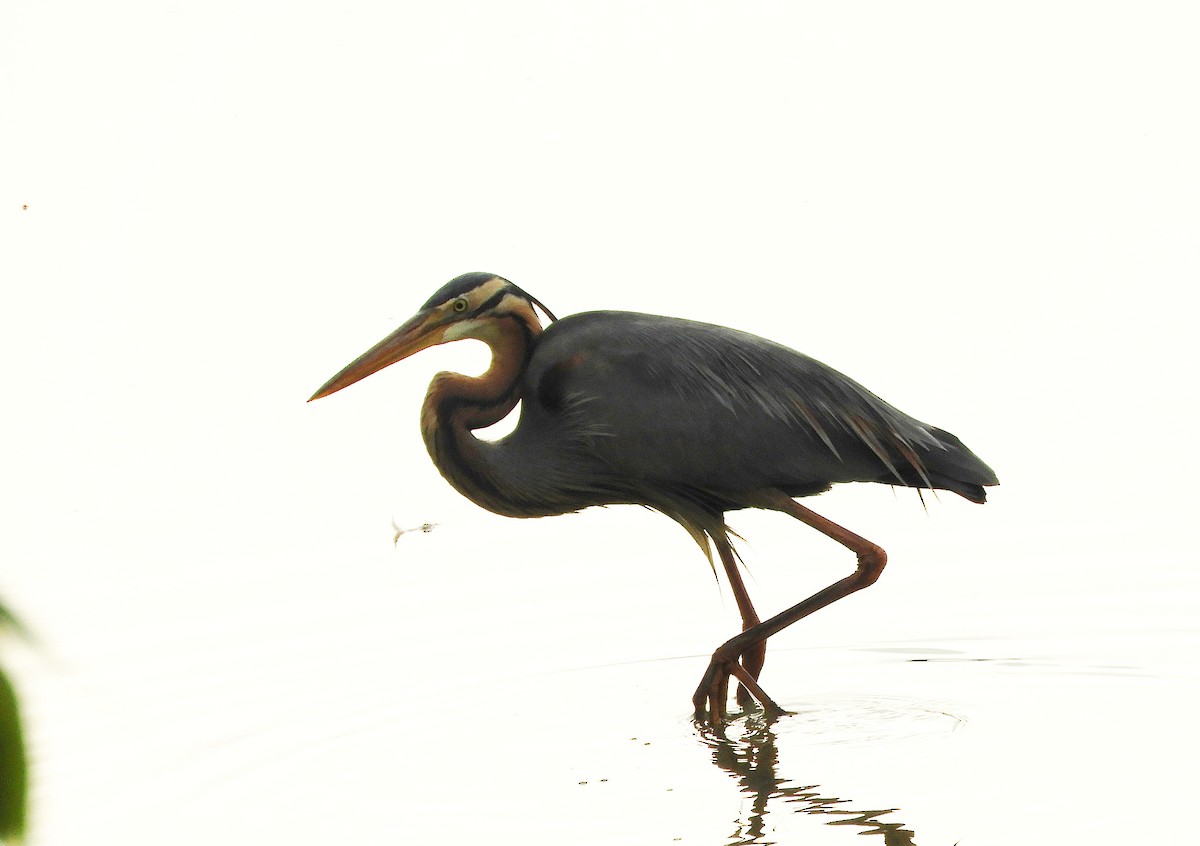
(754,657)
(711,693)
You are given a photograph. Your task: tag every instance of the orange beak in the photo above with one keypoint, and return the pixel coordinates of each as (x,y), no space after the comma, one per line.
(415,335)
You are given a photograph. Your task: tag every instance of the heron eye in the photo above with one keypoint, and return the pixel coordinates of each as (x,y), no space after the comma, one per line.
(460,305)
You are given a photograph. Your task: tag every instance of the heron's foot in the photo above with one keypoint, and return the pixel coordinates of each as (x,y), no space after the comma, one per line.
(713,693)
(752,662)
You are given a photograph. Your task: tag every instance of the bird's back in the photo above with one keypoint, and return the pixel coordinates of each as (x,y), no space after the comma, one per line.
(669,402)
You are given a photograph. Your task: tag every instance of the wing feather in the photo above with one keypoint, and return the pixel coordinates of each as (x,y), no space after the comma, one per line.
(704,405)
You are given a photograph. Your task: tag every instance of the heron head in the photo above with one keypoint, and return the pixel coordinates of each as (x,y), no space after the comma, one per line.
(469,306)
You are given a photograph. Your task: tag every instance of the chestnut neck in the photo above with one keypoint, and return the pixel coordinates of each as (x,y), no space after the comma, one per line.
(456,405)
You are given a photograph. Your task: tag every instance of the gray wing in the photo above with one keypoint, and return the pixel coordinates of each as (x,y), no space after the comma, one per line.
(681,403)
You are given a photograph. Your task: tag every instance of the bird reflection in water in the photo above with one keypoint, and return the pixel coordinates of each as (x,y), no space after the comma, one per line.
(751,760)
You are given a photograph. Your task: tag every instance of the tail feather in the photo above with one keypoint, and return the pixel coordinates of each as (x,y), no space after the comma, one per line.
(953,467)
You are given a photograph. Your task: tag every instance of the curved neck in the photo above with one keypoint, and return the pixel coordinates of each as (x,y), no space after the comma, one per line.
(455,405)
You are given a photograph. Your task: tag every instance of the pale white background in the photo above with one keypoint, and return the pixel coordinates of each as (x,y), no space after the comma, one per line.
(986,213)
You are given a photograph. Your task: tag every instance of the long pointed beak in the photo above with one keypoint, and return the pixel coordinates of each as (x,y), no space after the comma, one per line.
(415,335)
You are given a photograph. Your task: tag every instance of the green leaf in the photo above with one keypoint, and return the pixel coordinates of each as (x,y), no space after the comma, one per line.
(14,771)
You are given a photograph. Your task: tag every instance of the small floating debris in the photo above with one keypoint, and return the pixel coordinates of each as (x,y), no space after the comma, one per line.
(424,527)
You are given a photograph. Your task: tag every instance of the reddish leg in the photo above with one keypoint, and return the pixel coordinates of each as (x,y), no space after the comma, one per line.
(754,657)
(711,694)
